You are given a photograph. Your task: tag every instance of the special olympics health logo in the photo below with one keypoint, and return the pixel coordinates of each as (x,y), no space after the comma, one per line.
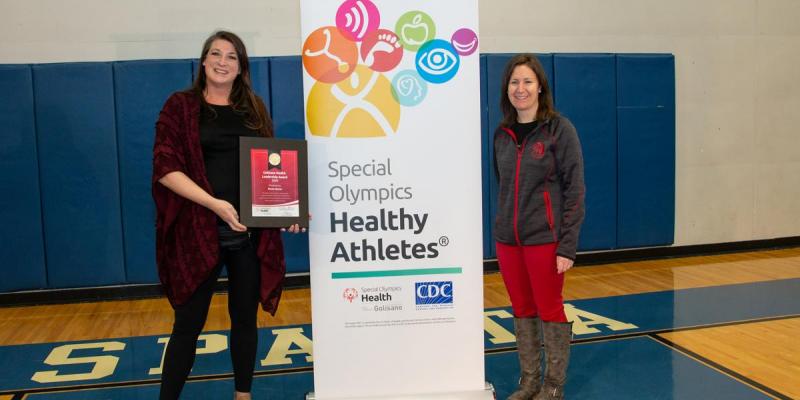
(350,294)
(361,82)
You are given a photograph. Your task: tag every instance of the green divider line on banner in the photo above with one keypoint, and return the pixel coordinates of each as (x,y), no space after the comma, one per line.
(395,272)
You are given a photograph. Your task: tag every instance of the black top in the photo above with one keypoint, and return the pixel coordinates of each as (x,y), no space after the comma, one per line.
(523,129)
(219,138)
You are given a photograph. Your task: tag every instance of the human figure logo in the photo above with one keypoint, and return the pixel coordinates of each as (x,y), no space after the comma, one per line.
(360,106)
(350,294)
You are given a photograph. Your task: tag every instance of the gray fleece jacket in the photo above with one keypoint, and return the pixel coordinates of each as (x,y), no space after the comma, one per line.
(541,189)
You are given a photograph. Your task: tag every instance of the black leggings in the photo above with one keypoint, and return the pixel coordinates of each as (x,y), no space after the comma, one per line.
(243,294)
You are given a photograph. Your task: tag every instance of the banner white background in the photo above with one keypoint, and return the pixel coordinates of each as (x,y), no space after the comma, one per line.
(371,338)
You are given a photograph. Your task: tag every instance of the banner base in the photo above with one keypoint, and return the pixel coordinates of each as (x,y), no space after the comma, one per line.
(485,394)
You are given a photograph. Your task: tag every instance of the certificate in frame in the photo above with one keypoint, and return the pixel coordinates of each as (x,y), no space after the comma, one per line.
(273,182)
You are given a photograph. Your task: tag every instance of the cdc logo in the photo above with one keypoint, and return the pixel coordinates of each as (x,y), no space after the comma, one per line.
(434,292)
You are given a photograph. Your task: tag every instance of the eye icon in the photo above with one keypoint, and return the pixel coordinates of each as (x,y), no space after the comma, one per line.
(437,61)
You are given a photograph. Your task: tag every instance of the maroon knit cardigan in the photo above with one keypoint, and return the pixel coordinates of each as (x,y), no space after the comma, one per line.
(187,246)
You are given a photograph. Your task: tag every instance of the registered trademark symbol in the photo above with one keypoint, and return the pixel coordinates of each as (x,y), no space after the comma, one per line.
(444,241)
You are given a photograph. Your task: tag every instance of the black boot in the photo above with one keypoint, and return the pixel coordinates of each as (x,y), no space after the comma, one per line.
(529,349)
(557,336)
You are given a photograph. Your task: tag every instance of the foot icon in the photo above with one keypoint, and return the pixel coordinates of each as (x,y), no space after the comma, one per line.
(387,43)
(382,50)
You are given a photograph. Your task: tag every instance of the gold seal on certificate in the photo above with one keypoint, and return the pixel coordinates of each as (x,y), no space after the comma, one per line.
(274,159)
(273,181)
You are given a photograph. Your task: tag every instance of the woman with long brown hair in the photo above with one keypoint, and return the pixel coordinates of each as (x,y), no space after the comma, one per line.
(196,192)
(539,214)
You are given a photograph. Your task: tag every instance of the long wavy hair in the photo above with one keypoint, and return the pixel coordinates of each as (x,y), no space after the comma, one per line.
(243,99)
(546,108)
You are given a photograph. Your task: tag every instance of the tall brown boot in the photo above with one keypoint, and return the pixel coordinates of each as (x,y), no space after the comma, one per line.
(529,349)
(557,336)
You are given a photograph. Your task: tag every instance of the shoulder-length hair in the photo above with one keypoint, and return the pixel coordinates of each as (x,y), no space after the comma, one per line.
(546,108)
(243,99)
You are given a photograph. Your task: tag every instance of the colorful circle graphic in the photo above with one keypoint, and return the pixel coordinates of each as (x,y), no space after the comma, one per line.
(437,61)
(465,41)
(414,28)
(381,50)
(328,56)
(358,107)
(408,88)
(357,19)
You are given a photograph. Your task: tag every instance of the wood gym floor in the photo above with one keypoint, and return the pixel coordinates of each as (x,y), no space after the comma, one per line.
(721,326)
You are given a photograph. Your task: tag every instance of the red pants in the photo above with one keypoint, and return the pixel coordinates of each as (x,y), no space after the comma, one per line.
(533,283)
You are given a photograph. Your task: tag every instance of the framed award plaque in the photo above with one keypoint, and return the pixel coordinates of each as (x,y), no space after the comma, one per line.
(273,181)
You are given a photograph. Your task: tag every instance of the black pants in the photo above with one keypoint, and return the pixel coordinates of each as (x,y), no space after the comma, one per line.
(239,255)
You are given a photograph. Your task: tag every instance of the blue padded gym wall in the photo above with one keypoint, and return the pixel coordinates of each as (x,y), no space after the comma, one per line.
(495,65)
(195,66)
(77,147)
(287,113)
(79,172)
(20,205)
(585,92)
(259,77)
(140,90)
(486,168)
(646,143)
(287,90)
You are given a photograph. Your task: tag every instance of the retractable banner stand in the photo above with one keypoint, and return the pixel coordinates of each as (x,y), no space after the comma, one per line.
(393,127)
